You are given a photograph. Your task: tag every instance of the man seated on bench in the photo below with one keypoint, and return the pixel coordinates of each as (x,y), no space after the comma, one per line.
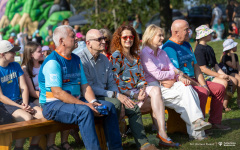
(15,102)
(100,77)
(62,81)
(182,57)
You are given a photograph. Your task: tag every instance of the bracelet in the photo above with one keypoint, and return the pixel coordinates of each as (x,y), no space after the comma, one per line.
(204,85)
(94,100)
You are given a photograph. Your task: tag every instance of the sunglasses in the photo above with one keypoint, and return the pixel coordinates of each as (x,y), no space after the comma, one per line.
(131,37)
(99,39)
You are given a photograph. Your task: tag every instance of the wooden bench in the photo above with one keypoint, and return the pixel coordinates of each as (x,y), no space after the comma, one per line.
(175,122)
(13,131)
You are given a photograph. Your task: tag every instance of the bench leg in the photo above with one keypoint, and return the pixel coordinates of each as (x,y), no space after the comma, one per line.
(42,143)
(5,141)
(100,134)
(175,122)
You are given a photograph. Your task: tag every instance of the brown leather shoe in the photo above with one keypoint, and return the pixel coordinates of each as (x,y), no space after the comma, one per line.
(150,147)
(220,127)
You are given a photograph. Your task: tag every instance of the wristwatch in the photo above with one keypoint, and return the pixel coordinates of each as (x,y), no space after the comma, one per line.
(131,94)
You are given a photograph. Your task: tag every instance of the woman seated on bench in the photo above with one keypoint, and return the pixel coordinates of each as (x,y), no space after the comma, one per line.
(12,80)
(129,77)
(32,60)
(177,92)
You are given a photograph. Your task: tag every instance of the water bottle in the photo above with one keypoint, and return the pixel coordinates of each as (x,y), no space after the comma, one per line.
(102,109)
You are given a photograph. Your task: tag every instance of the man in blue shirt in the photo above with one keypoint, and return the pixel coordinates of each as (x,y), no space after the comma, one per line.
(181,55)
(62,81)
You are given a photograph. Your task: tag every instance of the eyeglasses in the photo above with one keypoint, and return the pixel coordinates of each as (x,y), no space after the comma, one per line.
(131,37)
(99,39)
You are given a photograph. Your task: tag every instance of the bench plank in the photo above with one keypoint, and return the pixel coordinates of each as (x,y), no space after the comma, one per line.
(10,132)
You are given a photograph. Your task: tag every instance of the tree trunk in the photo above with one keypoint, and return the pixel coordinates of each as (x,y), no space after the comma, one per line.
(96,11)
(165,16)
(114,17)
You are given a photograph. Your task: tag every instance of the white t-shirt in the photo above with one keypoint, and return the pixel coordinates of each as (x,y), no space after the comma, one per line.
(218,14)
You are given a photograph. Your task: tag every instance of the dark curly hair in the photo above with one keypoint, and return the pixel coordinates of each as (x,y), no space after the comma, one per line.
(116,40)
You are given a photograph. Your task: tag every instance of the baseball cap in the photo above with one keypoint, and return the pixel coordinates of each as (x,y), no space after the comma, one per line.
(229,44)
(79,35)
(45,48)
(12,34)
(6,46)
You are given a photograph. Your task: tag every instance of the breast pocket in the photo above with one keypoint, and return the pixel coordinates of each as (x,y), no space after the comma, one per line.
(103,77)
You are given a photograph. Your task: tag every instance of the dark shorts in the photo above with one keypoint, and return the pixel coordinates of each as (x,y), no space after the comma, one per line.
(32,99)
(10,109)
(5,117)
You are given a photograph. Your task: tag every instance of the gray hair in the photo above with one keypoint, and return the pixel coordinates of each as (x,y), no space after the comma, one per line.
(60,32)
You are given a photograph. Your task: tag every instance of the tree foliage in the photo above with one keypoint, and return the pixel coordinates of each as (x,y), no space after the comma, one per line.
(207,2)
(125,11)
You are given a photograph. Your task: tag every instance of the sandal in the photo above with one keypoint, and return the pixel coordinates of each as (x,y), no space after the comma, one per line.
(64,146)
(52,147)
(34,147)
(198,138)
(200,125)
(227,109)
(166,142)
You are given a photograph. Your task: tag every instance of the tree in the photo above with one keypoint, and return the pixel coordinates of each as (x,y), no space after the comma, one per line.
(165,16)
(113,13)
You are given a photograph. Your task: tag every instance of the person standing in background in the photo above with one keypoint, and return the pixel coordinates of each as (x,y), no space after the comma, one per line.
(12,38)
(216,14)
(137,25)
(236,14)
(229,10)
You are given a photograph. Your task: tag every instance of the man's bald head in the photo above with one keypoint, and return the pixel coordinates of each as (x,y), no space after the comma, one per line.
(178,24)
(92,34)
(95,41)
(180,30)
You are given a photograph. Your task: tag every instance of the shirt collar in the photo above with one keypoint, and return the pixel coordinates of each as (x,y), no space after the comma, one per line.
(150,51)
(175,41)
(68,58)
(89,55)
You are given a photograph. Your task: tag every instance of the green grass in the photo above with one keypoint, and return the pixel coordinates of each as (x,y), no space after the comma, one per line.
(231,119)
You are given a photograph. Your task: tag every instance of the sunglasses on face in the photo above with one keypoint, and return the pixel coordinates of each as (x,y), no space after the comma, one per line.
(131,37)
(99,39)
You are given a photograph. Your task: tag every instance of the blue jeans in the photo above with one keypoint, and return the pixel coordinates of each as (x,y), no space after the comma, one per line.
(83,116)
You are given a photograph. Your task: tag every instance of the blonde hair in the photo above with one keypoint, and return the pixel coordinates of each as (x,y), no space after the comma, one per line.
(106,33)
(149,33)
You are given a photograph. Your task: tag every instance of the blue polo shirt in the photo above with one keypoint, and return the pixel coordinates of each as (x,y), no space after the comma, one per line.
(59,71)
(181,55)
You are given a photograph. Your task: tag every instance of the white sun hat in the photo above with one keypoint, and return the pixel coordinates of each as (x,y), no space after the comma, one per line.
(229,44)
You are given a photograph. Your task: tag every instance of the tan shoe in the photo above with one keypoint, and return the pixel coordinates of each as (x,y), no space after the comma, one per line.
(150,147)
(200,125)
